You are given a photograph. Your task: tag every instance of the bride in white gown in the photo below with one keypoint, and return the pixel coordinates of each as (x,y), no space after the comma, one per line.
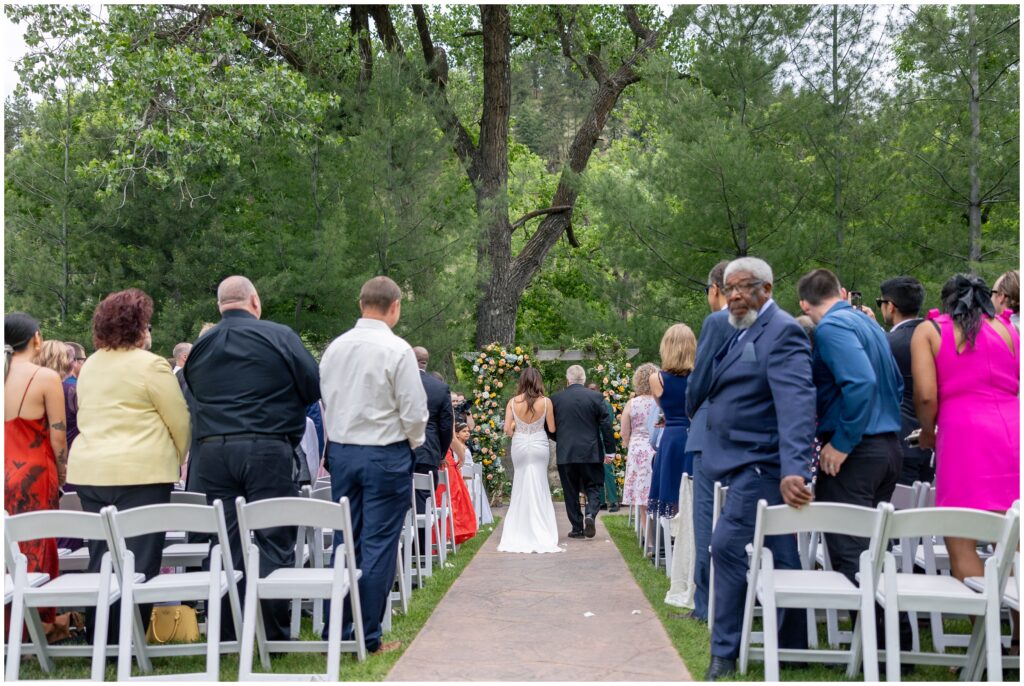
(530,525)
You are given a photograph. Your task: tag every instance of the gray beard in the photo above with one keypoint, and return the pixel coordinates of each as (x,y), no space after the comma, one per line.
(744,322)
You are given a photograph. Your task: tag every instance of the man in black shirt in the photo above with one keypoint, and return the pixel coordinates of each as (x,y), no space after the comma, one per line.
(251,382)
(900,304)
(440,426)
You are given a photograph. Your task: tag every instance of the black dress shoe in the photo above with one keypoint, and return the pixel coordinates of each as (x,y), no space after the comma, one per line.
(588,527)
(575,534)
(720,668)
(614,507)
(603,506)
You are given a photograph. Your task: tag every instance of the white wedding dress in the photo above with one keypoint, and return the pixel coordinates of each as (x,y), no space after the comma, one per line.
(530,525)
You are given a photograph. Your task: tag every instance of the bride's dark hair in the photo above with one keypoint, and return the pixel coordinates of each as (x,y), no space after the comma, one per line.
(531,387)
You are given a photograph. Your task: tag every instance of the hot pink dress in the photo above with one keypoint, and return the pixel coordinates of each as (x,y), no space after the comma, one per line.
(977,451)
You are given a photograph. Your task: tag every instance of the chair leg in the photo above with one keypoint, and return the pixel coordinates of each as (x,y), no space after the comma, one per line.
(892,638)
(769,617)
(748,623)
(213,619)
(99,648)
(357,614)
(17,618)
(334,636)
(249,620)
(124,636)
(869,638)
(975,666)
(993,641)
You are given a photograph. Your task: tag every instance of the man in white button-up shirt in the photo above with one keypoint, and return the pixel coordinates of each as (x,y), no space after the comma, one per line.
(376,414)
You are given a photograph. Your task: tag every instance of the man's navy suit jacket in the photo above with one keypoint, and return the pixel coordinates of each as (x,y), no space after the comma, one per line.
(714,333)
(761,401)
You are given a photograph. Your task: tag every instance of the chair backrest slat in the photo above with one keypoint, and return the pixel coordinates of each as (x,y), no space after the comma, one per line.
(423,482)
(71,502)
(827,518)
(151,519)
(188,498)
(958,522)
(32,526)
(274,512)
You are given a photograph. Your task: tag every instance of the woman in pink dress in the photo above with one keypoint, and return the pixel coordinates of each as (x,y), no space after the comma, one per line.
(966,386)
(635,434)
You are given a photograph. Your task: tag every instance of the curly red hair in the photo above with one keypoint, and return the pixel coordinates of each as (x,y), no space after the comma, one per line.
(121,319)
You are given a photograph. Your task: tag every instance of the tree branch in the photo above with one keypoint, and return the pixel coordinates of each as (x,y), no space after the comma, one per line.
(536,213)
(386,28)
(360,26)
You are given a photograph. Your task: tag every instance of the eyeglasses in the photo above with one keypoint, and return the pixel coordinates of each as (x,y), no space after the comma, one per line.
(707,289)
(79,359)
(745,287)
(149,328)
(879,301)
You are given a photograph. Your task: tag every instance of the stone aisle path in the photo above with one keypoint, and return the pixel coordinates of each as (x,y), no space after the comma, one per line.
(526,618)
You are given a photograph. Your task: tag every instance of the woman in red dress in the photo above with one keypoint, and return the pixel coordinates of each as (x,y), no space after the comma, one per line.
(462,503)
(35,445)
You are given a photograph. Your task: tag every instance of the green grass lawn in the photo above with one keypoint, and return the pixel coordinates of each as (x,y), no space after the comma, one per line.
(376,667)
(692,639)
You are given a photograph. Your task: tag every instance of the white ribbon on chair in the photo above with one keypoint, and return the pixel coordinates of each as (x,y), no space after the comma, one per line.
(681,592)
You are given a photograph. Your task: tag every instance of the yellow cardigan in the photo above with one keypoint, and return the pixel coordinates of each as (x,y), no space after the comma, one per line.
(132,420)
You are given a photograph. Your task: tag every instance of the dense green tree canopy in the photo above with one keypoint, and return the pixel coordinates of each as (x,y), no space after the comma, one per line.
(531,173)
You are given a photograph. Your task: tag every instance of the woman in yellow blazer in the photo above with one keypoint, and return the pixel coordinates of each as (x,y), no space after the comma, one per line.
(133,427)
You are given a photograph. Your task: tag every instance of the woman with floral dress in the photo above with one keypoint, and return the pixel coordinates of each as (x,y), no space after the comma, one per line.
(636,436)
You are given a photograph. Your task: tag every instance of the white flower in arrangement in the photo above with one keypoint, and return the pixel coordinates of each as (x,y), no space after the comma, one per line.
(476,367)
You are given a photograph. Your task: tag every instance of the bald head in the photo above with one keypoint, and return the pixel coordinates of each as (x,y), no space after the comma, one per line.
(180,353)
(238,293)
(422,356)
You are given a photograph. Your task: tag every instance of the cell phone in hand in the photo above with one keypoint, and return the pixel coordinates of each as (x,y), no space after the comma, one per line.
(913,439)
(856,298)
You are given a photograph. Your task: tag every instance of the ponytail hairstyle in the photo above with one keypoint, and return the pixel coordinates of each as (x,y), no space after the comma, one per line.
(965,298)
(531,386)
(19,329)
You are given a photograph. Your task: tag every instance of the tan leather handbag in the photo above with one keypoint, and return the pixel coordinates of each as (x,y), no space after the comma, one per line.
(172,624)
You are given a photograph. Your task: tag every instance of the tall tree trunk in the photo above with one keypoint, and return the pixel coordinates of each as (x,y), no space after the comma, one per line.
(837,145)
(65,261)
(974,150)
(496,313)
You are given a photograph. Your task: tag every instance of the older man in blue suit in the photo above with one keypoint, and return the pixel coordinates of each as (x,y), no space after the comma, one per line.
(760,430)
(714,332)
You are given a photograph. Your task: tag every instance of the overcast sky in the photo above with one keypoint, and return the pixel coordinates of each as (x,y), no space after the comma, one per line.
(14,48)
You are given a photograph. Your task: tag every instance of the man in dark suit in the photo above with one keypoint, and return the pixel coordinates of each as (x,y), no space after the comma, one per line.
(759,449)
(714,332)
(440,427)
(900,305)
(582,425)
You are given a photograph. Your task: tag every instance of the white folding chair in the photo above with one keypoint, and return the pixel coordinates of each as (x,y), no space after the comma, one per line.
(776,589)
(716,511)
(320,547)
(446,513)
(210,586)
(97,590)
(1010,598)
(930,554)
(430,523)
(470,480)
(334,584)
(898,592)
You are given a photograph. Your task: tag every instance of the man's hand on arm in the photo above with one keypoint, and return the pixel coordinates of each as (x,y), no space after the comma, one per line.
(795,492)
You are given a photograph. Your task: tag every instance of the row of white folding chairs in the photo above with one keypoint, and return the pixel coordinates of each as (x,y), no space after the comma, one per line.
(177,551)
(881,582)
(118,580)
